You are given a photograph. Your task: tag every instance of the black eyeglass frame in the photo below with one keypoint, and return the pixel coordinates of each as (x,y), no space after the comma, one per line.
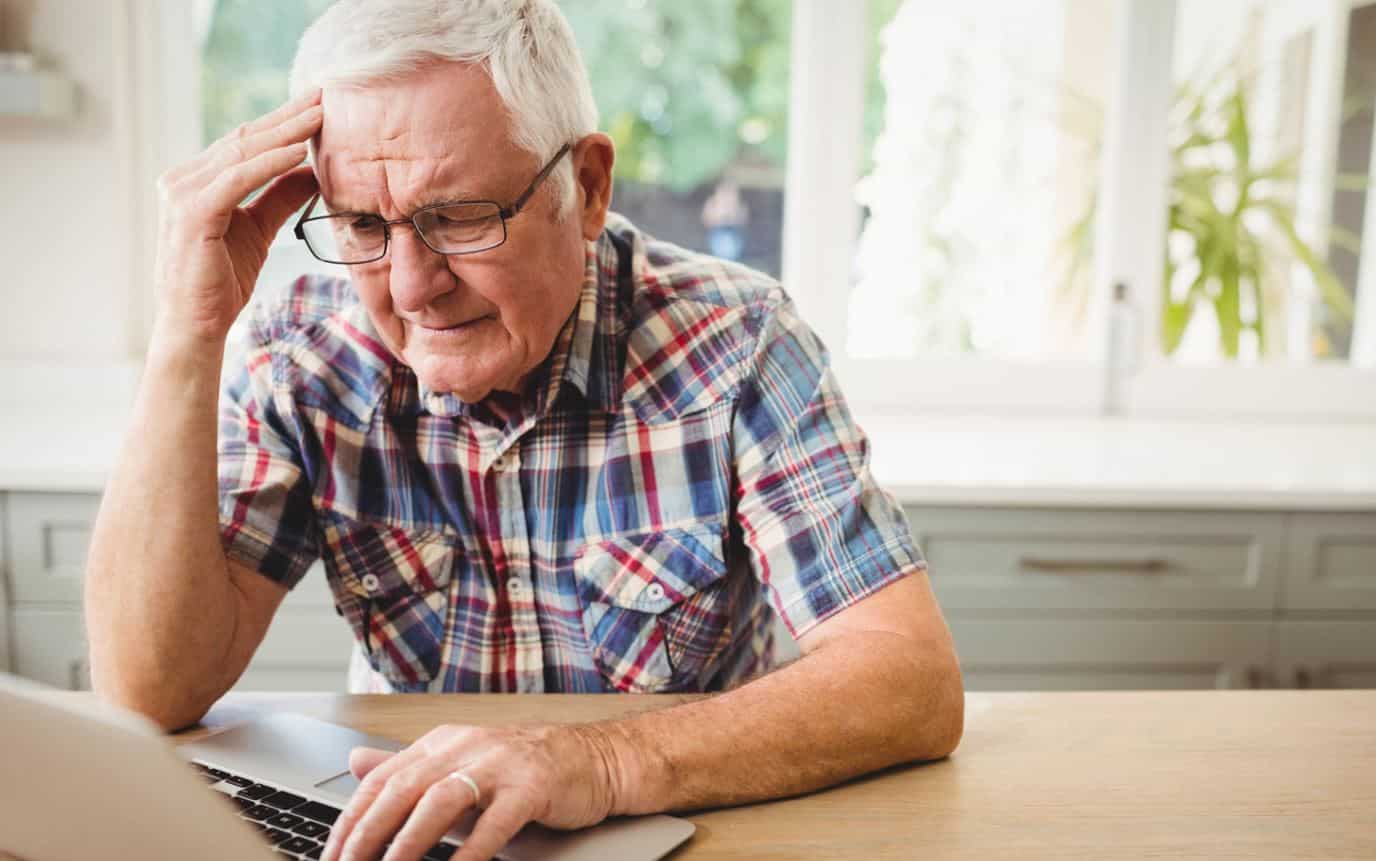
(503,213)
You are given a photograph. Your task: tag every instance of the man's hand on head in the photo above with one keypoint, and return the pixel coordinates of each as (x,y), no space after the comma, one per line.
(559,776)
(211,249)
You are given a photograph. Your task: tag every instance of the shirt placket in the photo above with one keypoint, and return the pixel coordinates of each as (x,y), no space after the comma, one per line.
(502,462)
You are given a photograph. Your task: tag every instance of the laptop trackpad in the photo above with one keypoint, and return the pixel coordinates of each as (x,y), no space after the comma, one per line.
(344,783)
(290,749)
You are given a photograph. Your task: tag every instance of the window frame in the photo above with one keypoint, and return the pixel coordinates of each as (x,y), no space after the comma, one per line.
(827,63)
(827,93)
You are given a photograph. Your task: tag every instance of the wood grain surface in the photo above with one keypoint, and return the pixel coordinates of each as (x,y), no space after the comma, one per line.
(1203,774)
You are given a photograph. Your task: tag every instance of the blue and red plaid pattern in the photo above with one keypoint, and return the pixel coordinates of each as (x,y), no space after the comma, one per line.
(683,470)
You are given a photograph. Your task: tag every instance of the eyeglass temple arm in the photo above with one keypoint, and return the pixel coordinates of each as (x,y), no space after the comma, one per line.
(535,183)
(300,233)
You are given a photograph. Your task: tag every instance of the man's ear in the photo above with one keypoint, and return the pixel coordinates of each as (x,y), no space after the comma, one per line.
(593,157)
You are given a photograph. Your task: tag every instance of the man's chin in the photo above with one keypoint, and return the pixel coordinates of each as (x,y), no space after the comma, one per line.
(440,375)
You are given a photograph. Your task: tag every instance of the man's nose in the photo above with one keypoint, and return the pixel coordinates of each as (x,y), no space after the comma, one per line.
(418,275)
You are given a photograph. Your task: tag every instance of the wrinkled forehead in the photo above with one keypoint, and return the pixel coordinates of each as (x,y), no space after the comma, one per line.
(435,135)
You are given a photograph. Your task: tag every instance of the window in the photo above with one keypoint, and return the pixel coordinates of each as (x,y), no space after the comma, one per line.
(951,191)
(979,195)
(695,96)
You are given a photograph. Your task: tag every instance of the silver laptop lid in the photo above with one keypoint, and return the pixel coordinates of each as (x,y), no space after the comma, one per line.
(100,783)
(114,776)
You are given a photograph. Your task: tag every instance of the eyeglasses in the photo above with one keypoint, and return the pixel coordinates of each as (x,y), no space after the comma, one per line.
(462,227)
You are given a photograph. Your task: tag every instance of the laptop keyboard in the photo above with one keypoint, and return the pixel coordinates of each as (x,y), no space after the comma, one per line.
(295,827)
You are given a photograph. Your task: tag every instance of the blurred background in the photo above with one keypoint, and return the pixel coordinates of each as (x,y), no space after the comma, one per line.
(1091,272)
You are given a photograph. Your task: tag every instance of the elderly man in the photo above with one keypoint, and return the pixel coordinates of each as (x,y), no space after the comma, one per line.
(536,449)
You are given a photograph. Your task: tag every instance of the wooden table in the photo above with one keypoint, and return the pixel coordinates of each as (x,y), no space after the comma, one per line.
(1209,774)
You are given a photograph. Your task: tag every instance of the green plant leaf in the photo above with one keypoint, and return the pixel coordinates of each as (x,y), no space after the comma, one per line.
(1333,293)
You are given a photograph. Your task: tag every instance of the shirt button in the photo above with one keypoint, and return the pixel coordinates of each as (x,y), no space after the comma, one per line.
(370,582)
(655,591)
(514,585)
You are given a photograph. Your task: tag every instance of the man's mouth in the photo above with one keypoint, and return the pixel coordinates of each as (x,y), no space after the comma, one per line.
(455,326)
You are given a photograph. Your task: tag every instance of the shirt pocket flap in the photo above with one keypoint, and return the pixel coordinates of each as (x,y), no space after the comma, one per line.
(379,560)
(651,571)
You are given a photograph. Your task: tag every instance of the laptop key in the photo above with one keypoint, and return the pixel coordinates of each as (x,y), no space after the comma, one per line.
(282,800)
(312,829)
(239,781)
(297,844)
(244,803)
(441,852)
(257,791)
(314,853)
(218,773)
(258,812)
(317,811)
(276,835)
(285,820)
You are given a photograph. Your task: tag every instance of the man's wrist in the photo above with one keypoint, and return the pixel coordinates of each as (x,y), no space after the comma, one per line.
(629,773)
(173,346)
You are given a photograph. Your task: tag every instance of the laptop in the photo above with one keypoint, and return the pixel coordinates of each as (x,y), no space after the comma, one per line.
(93,781)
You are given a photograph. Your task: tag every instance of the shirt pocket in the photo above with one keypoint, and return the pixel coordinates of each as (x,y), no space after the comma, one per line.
(654,607)
(392,585)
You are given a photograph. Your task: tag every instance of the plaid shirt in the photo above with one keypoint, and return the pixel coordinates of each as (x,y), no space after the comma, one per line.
(683,469)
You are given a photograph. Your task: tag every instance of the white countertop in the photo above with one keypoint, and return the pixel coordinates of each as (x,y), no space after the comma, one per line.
(938,460)
(1064,462)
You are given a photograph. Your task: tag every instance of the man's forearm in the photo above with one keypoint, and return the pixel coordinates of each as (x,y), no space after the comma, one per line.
(850,707)
(159,604)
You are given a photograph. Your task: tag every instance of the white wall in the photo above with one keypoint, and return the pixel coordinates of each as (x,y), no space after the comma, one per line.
(79,213)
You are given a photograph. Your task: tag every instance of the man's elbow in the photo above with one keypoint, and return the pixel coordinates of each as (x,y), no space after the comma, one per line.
(940,700)
(154,701)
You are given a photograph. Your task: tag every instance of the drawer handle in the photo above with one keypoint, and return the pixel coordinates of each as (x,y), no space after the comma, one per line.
(1153,565)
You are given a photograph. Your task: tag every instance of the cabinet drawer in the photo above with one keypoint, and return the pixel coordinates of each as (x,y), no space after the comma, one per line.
(1332,562)
(304,650)
(1327,654)
(1016,654)
(1086,560)
(49,536)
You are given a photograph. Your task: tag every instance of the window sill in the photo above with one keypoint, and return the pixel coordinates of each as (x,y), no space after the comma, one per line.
(1124,462)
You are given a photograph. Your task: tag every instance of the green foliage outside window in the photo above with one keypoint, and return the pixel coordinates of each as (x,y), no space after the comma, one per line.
(684,89)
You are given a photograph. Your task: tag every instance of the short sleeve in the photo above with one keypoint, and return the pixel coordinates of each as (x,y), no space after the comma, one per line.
(821,533)
(267,520)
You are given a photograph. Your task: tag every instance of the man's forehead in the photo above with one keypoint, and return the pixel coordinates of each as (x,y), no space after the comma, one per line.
(425,138)
(368,182)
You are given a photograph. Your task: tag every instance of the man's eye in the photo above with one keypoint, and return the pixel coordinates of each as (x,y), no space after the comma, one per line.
(365,224)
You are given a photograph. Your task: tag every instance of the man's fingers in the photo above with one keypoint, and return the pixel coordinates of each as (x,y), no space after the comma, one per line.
(364,759)
(276,118)
(495,828)
(229,152)
(439,808)
(275,205)
(374,784)
(299,105)
(388,811)
(225,193)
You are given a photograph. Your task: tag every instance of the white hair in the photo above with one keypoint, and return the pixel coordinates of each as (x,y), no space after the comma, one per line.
(526,47)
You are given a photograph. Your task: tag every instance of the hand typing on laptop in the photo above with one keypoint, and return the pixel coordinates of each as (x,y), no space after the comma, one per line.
(561,777)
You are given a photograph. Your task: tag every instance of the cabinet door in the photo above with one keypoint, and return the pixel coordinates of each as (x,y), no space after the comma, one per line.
(50,647)
(307,646)
(301,652)
(1015,559)
(1017,654)
(1332,562)
(1326,654)
(6,577)
(49,535)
